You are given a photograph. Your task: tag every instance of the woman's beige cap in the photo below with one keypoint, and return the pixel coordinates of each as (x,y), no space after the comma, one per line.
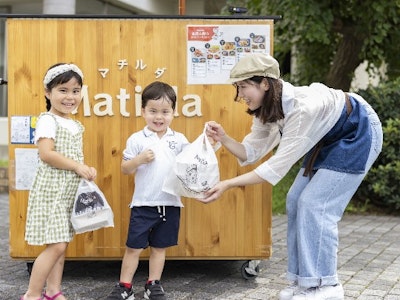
(257,64)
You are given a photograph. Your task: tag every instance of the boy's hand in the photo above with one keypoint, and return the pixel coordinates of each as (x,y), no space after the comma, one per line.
(146,156)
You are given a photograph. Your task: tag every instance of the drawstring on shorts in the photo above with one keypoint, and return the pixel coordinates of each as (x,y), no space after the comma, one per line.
(161,211)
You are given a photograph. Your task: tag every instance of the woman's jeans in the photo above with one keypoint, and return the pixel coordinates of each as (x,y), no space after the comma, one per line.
(314,207)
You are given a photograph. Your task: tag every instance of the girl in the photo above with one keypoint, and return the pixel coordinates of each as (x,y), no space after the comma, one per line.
(51,198)
(341,136)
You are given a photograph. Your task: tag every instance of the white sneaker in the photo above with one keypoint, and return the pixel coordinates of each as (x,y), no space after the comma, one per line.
(288,292)
(327,292)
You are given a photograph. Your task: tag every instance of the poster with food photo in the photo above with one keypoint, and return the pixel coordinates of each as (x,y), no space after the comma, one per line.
(212,50)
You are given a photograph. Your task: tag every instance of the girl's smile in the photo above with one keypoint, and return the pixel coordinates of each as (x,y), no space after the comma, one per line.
(64,98)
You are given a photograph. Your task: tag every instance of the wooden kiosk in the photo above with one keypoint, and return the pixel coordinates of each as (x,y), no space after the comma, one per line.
(119,57)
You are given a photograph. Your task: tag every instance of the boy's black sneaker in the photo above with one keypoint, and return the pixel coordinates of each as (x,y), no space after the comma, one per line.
(120,292)
(154,291)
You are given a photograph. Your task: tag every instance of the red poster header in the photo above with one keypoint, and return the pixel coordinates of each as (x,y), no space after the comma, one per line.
(201,33)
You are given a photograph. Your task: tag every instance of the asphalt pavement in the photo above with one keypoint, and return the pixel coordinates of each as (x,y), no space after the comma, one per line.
(369,267)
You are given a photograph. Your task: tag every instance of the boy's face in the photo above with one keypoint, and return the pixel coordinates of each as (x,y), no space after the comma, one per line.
(158,115)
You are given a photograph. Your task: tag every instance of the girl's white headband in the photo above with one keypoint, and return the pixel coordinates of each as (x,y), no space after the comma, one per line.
(54,72)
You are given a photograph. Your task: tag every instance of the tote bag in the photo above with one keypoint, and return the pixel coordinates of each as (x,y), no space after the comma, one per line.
(91,210)
(195,170)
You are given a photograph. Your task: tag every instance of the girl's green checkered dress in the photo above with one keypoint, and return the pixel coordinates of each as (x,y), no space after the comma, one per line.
(52,194)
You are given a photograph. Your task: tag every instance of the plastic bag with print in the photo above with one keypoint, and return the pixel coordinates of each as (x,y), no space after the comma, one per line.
(91,210)
(195,170)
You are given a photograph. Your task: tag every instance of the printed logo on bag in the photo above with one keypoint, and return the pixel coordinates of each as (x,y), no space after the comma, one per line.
(191,179)
(202,161)
(89,202)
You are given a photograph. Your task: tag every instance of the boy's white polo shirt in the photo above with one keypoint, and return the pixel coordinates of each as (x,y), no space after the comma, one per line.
(150,177)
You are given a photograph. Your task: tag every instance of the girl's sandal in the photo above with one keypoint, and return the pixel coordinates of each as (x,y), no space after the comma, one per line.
(53,297)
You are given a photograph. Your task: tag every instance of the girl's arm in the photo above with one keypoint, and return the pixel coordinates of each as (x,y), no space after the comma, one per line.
(55,159)
(130,166)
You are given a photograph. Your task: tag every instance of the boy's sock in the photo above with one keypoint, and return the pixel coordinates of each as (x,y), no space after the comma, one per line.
(126,284)
(150,281)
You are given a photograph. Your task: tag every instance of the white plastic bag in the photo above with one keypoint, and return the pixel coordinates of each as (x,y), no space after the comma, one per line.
(91,210)
(195,170)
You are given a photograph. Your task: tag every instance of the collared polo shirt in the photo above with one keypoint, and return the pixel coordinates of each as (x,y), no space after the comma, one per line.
(149,177)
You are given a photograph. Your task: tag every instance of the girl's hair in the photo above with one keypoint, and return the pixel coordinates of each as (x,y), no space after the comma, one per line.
(157,90)
(271,109)
(60,79)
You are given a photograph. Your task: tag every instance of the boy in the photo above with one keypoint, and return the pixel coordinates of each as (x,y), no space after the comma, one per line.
(150,154)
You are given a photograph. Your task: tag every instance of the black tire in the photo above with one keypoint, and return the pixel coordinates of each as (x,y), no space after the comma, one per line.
(29,266)
(245,274)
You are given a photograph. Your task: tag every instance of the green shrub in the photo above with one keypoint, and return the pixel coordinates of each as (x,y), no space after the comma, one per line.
(3,163)
(381,185)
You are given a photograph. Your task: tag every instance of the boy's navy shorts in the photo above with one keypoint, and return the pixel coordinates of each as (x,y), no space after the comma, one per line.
(149,226)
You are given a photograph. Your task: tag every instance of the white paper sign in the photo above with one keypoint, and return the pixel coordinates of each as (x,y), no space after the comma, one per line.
(26,164)
(23,129)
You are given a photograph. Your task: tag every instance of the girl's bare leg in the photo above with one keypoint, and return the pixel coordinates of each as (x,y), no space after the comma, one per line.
(43,267)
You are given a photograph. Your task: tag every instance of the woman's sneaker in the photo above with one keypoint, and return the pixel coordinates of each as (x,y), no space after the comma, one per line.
(328,292)
(120,292)
(154,291)
(288,292)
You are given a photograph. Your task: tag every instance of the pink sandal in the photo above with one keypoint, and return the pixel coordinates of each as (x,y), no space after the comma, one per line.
(53,297)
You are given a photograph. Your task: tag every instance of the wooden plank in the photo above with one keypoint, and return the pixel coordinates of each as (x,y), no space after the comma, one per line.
(236,227)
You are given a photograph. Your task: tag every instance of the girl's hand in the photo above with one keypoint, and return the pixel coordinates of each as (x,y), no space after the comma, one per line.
(93,172)
(215,131)
(84,171)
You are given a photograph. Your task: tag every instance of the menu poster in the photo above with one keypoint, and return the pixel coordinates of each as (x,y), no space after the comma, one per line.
(213,50)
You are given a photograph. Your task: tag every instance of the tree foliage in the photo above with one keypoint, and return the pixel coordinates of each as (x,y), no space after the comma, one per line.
(329,39)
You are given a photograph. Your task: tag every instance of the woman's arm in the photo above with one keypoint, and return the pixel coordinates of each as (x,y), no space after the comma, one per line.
(217,133)
(242,180)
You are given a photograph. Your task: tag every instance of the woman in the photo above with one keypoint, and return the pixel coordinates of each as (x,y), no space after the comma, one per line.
(340,136)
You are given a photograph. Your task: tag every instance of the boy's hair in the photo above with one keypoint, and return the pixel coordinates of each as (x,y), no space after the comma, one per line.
(158,90)
(60,79)
(271,109)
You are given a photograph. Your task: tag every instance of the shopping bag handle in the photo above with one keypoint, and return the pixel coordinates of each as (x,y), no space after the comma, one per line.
(214,147)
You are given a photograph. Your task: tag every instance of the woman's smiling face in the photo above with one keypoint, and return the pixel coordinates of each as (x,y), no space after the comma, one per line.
(252,93)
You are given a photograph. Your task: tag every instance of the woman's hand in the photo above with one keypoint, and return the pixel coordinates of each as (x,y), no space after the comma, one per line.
(215,131)
(242,180)
(216,192)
